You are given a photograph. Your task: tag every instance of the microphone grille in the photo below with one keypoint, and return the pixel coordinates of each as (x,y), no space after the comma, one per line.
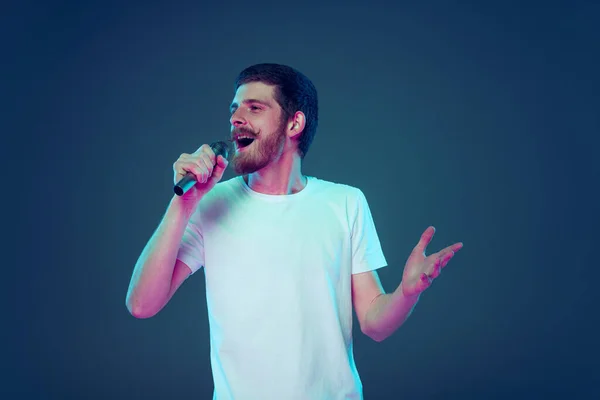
(220,148)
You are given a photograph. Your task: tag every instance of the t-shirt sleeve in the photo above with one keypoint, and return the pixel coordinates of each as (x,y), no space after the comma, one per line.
(367,254)
(191,249)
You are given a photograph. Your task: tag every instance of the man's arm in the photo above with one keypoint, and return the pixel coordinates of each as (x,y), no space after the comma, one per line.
(379,313)
(157,273)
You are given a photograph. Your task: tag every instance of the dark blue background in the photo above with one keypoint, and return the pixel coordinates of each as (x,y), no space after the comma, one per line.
(481,119)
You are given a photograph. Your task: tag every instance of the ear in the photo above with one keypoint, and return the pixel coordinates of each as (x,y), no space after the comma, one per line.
(296,125)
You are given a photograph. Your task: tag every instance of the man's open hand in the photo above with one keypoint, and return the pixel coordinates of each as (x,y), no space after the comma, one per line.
(420,270)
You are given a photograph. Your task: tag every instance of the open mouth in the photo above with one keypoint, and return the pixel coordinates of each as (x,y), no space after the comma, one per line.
(244,142)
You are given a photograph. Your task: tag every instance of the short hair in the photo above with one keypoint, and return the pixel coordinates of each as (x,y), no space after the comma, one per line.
(293,92)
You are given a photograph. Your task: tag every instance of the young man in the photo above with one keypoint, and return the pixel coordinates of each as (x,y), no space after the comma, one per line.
(286,256)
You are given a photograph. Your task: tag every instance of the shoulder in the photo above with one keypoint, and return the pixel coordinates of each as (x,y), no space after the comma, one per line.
(343,196)
(219,198)
(336,190)
(225,189)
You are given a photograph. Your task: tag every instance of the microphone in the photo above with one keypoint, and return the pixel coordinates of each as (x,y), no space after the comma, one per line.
(189,180)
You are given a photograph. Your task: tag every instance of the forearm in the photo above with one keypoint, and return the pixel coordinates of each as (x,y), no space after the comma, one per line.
(387,313)
(150,283)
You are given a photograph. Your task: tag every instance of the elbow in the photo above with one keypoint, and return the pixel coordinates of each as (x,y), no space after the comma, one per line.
(138,310)
(378,337)
(373,333)
(140,313)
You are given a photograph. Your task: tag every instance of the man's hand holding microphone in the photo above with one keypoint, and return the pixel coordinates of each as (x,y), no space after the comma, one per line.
(197,173)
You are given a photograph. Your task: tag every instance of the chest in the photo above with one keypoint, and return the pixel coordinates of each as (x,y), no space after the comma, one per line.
(292,240)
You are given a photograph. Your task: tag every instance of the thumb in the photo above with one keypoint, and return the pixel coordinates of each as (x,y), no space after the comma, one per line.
(219,169)
(425,239)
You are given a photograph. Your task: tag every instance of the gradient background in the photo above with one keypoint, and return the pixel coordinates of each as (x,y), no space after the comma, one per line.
(479,119)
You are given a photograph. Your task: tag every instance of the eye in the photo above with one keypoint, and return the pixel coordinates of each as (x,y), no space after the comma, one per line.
(254,108)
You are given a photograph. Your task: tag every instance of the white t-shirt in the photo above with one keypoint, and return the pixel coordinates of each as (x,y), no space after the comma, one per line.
(278,287)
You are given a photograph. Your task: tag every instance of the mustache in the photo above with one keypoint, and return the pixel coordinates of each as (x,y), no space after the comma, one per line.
(240,131)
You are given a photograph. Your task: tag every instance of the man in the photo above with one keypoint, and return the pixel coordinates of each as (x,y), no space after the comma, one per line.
(286,256)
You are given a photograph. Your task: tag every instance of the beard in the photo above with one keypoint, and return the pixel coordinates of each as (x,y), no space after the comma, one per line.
(260,152)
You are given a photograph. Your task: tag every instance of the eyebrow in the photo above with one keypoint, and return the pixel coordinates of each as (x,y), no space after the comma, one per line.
(249,101)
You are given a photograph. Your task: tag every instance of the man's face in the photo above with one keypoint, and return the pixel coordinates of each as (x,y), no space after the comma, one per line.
(256,127)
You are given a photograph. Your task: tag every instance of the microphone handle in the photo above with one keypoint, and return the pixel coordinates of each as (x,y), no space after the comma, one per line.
(189,180)
(184,184)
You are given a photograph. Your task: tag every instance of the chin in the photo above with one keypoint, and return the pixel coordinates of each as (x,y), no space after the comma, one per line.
(249,162)
(244,167)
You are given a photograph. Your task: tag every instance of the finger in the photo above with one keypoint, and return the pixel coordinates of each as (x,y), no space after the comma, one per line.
(205,163)
(425,282)
(191,163)
(222,162)
(205,148)
(450,249)
(446,258)
(181,166)
(453,248)
(191,167)
(425,239)
(449,252)
(206,151)
(442,256)
(442,253)
(211,155)
(435,269)
(219,169)
(456,246)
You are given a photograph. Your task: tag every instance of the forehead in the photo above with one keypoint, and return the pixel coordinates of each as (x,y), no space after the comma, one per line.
(255,90)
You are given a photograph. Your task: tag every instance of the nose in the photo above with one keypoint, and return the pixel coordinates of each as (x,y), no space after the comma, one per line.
(236,119)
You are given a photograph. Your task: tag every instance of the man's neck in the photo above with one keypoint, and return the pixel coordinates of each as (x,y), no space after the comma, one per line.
(280,178)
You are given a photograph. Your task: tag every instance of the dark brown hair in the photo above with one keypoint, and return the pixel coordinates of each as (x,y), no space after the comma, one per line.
(293,91)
